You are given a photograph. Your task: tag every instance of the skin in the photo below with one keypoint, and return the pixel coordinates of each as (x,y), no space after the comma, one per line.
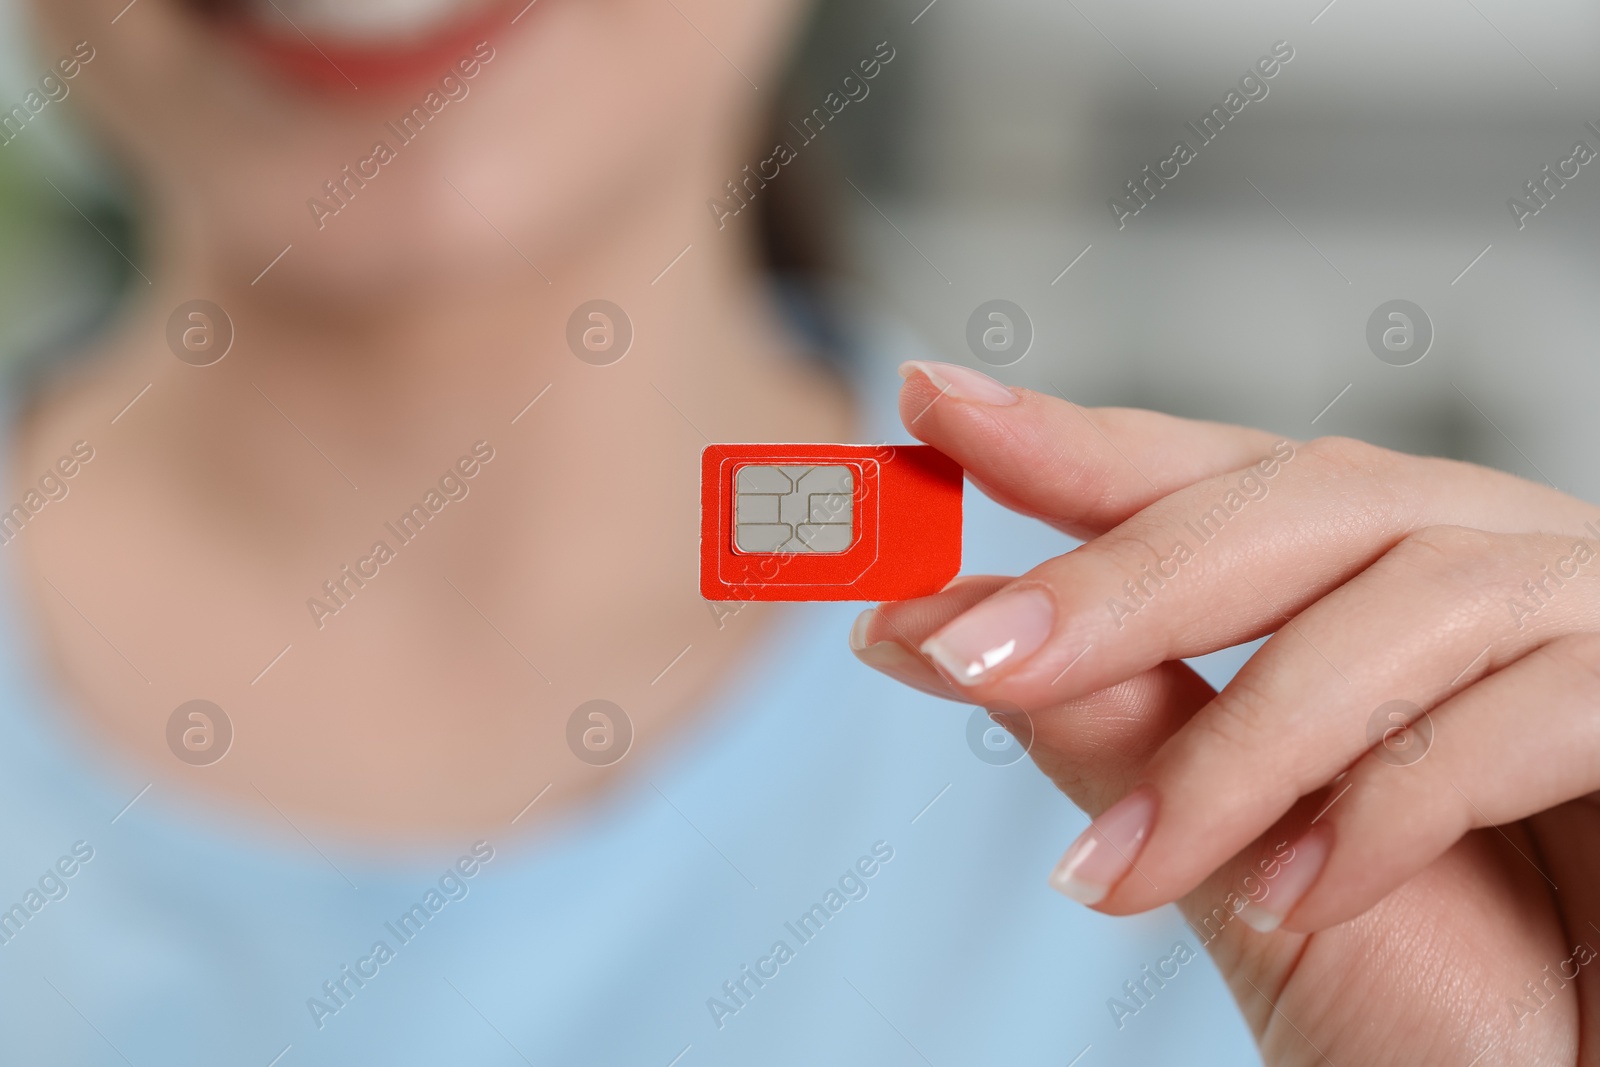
(1436,897)
(409,328)
(433,707)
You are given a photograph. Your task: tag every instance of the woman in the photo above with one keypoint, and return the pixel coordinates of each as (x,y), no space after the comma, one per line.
(399,830)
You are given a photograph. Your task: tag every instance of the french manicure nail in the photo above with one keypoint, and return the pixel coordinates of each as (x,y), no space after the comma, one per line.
(963,383)
(1002,630)
(858,630)
(1295,876)
(1106,851)
(892,659)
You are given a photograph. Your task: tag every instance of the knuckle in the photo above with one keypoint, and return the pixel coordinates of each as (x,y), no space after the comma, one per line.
(1136,564)
(1491,582)
(1467,572)
(1349,455)
(1456,557)
(1091,470)
(1136,545)
(1451,546)
(1366,481)
(1236,718)
(1102,496)
(1579,656)
(1251,724)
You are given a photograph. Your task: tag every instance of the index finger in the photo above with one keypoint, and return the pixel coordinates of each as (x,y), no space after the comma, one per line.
(1083,470)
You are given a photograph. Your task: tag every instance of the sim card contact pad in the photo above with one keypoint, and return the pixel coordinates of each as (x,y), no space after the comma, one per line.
(794,508)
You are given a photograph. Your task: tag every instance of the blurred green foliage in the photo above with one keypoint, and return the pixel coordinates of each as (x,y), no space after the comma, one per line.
(59,278)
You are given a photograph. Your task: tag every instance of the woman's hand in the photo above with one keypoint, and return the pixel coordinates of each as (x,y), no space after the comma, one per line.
(1375,892)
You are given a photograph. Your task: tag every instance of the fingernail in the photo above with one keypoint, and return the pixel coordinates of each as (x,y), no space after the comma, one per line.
(1004,629)
(892,659)
(1295,877)
(858,630)
(888,656)
(1106,851)
(963,383)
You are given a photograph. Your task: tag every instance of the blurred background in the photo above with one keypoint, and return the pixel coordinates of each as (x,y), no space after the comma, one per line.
(1377,168)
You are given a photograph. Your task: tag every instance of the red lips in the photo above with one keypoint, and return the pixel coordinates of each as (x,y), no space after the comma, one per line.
(333,65)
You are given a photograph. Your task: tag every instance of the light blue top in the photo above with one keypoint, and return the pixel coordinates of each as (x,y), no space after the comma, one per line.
(607,937)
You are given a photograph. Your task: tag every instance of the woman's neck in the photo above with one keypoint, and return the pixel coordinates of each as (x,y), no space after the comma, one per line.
(434,701)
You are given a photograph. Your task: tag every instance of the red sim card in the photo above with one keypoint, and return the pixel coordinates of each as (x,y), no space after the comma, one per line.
(828,522)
